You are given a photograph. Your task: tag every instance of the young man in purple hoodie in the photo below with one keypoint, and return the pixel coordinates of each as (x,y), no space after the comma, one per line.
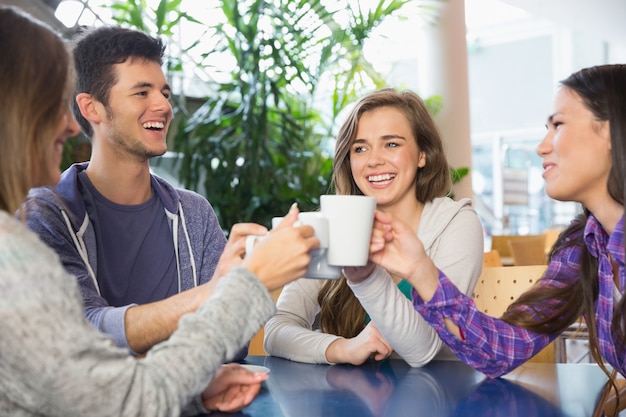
(143,252)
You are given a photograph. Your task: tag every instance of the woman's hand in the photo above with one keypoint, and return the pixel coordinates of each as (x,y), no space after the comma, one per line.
(283,255)
(356,274)
(233,388)
(370,343)
(235,248)
(395,247)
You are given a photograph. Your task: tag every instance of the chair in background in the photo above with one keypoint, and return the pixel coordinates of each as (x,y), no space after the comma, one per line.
(256,343)
(501,244)
(528,251)
(576,332)
(498,287)
(550,235)
(491,258)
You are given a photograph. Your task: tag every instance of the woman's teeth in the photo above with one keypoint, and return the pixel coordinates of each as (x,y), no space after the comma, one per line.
(382,177)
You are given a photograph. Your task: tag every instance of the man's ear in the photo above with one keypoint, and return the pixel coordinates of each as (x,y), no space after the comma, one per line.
(90,108)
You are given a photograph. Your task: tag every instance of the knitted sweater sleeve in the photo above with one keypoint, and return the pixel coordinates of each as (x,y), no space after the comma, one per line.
(54,363)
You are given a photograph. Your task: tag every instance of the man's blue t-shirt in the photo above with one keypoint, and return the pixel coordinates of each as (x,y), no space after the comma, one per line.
(136,258)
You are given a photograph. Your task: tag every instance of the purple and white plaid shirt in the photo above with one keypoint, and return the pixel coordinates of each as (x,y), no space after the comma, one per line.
(495,347)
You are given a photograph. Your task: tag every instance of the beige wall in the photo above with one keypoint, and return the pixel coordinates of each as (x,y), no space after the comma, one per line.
(442,70)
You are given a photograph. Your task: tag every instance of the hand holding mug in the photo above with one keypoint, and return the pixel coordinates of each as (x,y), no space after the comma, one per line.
(235,248)
(356,274)
(343,227)
(395,247)
(283,254)
(319,267)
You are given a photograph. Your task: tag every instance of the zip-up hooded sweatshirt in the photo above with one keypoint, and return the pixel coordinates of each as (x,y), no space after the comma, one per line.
(59,216)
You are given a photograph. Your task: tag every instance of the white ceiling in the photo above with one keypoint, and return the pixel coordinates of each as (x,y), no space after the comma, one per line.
(605,19)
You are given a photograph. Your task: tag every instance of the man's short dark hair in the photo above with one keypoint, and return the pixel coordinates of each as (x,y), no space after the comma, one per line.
(97,50)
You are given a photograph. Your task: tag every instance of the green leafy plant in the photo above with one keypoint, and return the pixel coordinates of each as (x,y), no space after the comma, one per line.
(258,141)
(458,174)
(76,149)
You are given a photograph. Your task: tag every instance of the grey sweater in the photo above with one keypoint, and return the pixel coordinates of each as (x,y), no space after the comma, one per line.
(54,363)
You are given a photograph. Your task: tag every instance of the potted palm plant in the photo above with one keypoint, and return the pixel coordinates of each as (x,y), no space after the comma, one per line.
(259,140)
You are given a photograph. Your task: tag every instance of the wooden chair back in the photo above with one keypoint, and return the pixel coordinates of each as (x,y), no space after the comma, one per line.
(501,242)
(255,348)
(491,258)
(550,235)
(498,287)
(531,251)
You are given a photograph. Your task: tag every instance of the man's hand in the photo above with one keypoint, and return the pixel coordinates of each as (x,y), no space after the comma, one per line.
(367,344)
(233,388)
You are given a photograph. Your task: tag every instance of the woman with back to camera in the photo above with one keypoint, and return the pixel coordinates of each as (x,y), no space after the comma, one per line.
(52,361)
(584,160)
(388,148)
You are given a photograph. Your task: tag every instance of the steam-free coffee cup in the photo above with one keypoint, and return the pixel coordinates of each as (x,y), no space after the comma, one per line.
(318,267)
(350,221)
(343,227)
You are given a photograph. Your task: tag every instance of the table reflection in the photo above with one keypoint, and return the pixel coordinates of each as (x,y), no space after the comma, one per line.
(393,389)
(388,388)
(499,397)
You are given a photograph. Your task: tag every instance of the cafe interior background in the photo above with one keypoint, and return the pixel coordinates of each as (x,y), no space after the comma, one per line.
(495,64)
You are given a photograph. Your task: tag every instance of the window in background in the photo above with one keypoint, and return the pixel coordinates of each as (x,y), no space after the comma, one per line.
(515,62)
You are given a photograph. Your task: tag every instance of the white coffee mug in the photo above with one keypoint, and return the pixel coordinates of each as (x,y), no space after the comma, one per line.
(350,222)
(318,267)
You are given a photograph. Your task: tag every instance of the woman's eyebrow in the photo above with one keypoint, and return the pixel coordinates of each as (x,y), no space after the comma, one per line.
(392,136)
